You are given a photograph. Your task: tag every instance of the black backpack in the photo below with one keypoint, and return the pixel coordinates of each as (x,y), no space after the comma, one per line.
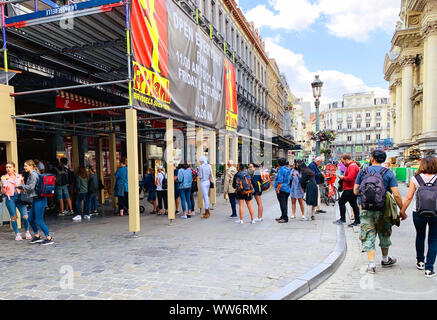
(61,177)
(372,190)
(426,198)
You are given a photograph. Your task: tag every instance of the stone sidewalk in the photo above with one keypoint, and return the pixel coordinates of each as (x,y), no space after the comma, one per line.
(402,281)
(189,259)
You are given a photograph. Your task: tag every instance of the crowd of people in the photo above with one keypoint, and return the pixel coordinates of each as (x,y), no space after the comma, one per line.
(372,193)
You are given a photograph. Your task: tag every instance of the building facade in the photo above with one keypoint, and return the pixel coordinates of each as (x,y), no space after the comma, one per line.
(276,99)
(411,69)
(362,123)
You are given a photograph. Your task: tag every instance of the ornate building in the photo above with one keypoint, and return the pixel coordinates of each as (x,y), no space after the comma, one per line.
(411,69)
(362,123)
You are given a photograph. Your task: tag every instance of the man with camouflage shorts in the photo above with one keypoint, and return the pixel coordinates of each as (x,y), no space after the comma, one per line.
(370,218)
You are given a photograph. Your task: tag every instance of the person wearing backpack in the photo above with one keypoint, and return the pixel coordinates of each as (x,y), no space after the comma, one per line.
(424,185)
(62,194)
(194,188)
(257,183)
(228,189)
(37,209)
(242,183)
(309,185)
(296,192)
(348,196)
(282,187)
(371,185)
(161,189)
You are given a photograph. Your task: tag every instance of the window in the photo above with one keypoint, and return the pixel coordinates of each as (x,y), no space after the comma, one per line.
(339,126)
(349,138)
(368,137)
(220,26)
(378,137)
(349,125)
(378,114)
(378,125)
(368,125)
(226,30)
(367,114)
(213,13)
(358,125)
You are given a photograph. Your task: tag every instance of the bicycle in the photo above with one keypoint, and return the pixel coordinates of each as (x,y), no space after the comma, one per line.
(330,194)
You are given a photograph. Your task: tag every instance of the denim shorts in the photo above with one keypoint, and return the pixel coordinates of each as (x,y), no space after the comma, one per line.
(62,192)
(151,196)
(368,231)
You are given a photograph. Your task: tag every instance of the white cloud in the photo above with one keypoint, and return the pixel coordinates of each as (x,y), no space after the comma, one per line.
(336,83)
(286,14)
(351,19)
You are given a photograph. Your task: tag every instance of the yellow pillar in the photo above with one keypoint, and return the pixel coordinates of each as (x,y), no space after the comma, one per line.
(99,167)
(8,132)
(170,169)
(212,161)
(199,153)
(75,160)
(226,157)
(234,149)
(113,164)
(132,169)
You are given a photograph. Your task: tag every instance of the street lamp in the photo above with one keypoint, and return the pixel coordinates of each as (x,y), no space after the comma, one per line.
(317,92)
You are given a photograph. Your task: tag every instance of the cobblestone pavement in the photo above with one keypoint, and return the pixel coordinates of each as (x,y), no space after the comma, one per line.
(402,281)
(190,259)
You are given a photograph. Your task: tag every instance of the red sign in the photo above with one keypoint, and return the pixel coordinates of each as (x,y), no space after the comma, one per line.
(71,101)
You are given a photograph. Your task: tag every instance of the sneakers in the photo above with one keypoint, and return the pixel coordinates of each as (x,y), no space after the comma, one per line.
(184,216)
(239,221)
(339,221)
(18,237)
(304,219)
(47,242)
(77,218)
(232,216)
(282,221)
(313,218)
(371,270)
(36,240)
(429,274)
(389,263)
(320,211)
(293,217)
(61,214)
(28,235)
(420,266)
(258,219)
(87,217)
(253,221)
(354,224)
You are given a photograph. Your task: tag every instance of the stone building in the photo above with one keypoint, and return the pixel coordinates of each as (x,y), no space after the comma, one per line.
(362,122)
(411,69)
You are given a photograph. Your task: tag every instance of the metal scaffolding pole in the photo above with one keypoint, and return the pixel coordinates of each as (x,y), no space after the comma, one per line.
(5,50)
(44,129)
(118,121)
(15,94)
(73,126)
(66,112)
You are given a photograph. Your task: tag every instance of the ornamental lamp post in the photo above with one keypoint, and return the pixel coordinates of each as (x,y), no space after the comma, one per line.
(317,92)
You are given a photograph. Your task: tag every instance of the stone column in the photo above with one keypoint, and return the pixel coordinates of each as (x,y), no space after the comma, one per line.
(398,111)
(392,111)
(430,82)
(407,104)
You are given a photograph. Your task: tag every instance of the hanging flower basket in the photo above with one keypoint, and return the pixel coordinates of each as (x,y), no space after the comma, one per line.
(327,136)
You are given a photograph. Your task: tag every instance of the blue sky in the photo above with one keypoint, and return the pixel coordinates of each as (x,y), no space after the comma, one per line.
(345,41)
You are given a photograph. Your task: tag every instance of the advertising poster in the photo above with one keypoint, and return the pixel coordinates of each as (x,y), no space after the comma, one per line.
(177,69)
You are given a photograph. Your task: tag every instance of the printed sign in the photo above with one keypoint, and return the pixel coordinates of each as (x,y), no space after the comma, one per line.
(178,69)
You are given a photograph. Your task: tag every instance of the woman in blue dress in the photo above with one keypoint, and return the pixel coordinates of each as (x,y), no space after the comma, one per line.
(296,191)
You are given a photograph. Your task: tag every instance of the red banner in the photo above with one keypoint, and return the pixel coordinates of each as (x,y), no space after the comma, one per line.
(71,101)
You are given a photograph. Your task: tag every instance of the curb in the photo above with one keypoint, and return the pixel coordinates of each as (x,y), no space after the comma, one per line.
(315,277)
